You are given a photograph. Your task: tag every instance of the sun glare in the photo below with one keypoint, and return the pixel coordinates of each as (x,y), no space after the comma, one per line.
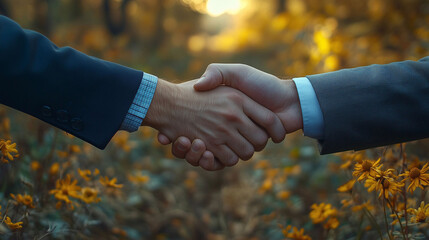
(218,7)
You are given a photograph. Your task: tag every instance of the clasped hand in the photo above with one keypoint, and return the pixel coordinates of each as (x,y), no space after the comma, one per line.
(229,113)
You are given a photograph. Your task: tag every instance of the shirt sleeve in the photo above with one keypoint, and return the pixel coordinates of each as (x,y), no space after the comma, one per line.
(138,109)
(311,112)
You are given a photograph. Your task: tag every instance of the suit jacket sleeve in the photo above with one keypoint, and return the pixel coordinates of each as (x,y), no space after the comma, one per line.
(82,95)
(373,106)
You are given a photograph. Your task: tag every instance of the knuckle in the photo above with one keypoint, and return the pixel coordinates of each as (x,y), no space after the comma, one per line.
(270,119)
(212,65)
(231,116)
(243,67)
(235,96)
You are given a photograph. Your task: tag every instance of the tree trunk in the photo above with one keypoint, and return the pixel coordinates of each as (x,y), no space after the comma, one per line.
(281,6)
(115,27)
(42,18)
(3,8)
(158,36)
(77,9)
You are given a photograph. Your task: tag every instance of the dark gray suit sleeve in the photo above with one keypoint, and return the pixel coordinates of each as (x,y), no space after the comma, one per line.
(373,106)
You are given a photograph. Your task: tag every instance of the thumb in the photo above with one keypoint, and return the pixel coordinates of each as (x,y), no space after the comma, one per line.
(211,79)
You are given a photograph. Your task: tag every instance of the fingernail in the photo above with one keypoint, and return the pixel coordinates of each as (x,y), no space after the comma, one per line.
(195,148)
(181,146)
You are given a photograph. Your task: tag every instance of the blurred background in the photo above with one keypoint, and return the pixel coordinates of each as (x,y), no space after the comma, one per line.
(158,197)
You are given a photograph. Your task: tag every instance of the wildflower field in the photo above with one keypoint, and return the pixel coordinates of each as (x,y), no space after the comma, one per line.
(55,186)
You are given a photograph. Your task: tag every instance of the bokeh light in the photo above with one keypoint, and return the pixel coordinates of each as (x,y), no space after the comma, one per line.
(219,7)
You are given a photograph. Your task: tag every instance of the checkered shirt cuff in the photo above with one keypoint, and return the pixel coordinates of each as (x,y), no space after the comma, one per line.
(141,103)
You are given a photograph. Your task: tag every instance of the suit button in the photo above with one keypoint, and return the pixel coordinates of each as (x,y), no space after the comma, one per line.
(62,116)
(47,111)
(77,124)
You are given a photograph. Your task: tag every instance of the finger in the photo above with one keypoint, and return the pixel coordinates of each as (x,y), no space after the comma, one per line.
(266,119)
(220,74)
(163,139)
(254,134)
(180,147)
(241,147)
(208,162)
(197,150)
(225,155)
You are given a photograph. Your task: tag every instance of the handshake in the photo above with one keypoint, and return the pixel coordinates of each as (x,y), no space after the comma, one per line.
(227,115)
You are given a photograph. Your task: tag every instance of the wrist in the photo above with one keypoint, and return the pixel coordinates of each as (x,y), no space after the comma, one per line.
(161,107)
(292,113)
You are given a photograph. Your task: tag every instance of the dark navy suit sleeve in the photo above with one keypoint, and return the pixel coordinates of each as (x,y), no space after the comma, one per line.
(374,105)
(82,95)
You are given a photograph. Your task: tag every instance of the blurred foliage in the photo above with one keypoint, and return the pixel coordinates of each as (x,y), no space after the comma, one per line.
(59,187)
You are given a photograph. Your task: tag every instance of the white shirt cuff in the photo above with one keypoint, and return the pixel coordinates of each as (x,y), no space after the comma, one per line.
(142,100)
(311,112)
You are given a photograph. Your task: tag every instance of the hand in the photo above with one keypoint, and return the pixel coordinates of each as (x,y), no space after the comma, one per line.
(224,119)
(280,96)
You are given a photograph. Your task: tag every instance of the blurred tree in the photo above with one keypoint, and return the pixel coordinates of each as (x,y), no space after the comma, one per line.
(42,17)
(77,8)
(115,23)
(281,6)
(159,29)
(3,8)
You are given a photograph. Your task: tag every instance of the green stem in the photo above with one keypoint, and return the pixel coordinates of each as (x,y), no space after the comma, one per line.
(404,166)
(360,232)
(399,220)
(385,217)
(373,221)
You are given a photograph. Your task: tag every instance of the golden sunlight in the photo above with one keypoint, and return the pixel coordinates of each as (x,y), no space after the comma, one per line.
(218,7)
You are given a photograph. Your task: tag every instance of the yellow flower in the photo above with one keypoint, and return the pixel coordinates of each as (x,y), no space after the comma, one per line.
(347,187)
(365,169)
(383,182)
(35,165)
(367,205)
(121,140)
(271,173)
(11,225)
(294,234)
(110,183)
(89,195)
(349,158)
(8,148)
(347,203)
(283,195)
(263,164)
(74,149)
(138,179)
(420,214)
(418,177)
(119,232)
(84,174)
(54,169)
(62,154)
(332,223)
(321,212)
(267,185)
(25,199)
(66,188)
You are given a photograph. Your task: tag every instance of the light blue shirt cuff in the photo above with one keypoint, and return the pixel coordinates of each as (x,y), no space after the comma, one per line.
(138,109)
(312,116)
